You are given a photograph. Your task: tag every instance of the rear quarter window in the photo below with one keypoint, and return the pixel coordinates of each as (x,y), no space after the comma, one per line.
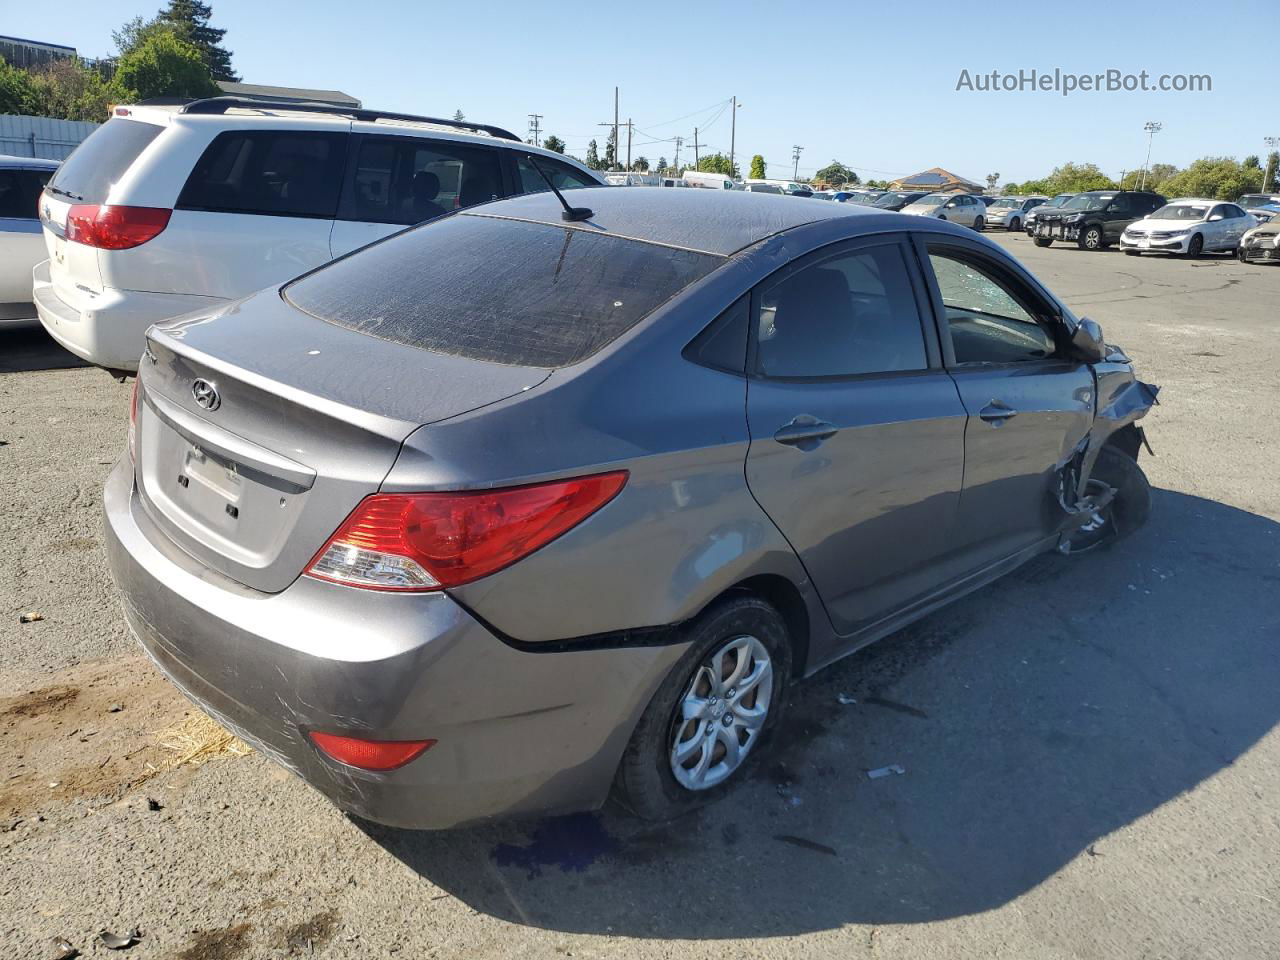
(102,159)
(504,291)
(270,173)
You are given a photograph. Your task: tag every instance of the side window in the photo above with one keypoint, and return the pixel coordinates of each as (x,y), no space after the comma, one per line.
(1233,211)
(1218,213)
(847,315)
(271,173)
(407,180)
(19,192)
(1150,205)
(1122,207)
(562,175)
(988,324)
(723,344)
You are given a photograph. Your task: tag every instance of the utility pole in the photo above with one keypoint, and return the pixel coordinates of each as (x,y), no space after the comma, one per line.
(1152,127)
(695,148)
(535,120)
(795,157)
(628,143)
(615,125)
(679,141)
(733,132)
(1272,144)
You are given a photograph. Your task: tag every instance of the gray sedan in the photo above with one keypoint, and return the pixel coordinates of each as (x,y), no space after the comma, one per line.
(535,503)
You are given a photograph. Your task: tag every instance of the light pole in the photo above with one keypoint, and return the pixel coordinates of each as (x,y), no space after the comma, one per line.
(1272,144)
(733,132)
(1152,127)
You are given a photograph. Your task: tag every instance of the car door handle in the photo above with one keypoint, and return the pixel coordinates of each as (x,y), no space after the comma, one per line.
(803,430)
(996,413)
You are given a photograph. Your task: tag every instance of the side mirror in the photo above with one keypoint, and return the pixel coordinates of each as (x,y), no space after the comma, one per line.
(1087,341)
(1216,217)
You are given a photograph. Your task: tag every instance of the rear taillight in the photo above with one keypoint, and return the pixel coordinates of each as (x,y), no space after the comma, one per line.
(133,422)
(115,228)
(429,541)
(370,754)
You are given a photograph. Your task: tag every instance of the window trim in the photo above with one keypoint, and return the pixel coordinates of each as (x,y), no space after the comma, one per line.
(346,198)
(1049,316)
(928,331)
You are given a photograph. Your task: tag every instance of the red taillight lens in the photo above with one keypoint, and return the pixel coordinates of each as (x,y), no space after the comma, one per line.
(370,754)
(115,228)
(429,541)
(133,422)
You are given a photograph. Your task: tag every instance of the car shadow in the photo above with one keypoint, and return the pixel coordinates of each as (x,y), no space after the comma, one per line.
(29,348)
(1030,720)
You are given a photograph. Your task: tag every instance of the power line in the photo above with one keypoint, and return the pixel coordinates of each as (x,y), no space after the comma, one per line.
(535,120)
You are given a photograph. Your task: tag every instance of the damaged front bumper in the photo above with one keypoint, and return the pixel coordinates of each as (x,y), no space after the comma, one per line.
(517,733)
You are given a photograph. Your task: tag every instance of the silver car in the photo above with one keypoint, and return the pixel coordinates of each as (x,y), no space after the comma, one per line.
(1011,212)
(959,208)
(533,503)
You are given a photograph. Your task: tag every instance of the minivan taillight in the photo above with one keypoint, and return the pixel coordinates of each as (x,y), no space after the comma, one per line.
(429,541)
(115,228)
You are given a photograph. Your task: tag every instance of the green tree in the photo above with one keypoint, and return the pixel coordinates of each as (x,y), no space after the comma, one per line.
(459,116)
(1217,178)
(1252,162)
(1073,178)
(163,65)
(17,93)
(189,19)
(662,164)
(717,163)
(70,90)
(758,167)
(553,143)
(641,164)
(1272,171)
(837,173)
(593,156)
(611,151)
(992,180)
(1157,173)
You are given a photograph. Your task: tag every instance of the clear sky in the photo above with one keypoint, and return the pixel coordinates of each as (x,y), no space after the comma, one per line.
(874,88)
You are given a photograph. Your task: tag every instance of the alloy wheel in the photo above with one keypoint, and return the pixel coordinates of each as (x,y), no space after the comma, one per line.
(1092,238)
(721,714)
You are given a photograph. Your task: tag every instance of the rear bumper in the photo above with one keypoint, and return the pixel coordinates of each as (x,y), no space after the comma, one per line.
(109,328)
(518,733)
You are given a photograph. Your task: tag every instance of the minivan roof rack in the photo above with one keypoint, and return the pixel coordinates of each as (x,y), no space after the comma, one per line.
(216,105)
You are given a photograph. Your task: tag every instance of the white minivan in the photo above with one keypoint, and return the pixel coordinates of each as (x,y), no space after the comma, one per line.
(169,210)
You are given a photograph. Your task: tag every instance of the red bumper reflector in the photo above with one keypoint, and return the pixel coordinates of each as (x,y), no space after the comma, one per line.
(370,754)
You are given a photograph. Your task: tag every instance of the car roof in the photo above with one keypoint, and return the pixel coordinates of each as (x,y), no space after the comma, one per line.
(35,163)
(719,222)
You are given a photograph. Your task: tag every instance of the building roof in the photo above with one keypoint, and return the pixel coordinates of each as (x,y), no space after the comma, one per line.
(288,94)
(935,177)
(719,222)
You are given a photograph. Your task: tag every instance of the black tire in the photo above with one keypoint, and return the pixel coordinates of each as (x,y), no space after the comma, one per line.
(645,784)
(1091,238)
(942,216)
(1043,241)
(1015,225)
(980,224)
(1240,255)
(1195,247)
(1131,506)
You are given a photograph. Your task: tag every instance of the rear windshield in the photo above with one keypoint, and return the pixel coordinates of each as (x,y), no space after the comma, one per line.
(504,291)
(99,163)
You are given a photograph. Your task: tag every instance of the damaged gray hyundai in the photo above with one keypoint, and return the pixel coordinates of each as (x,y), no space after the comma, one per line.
(538,504)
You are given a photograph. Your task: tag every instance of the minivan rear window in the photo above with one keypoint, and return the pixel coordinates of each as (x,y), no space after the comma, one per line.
(505,291)
(88,175)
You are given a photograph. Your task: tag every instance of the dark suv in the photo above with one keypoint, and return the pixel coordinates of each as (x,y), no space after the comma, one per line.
(1094,220)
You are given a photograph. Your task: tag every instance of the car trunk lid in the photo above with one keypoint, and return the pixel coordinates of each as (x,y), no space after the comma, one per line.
(259,429)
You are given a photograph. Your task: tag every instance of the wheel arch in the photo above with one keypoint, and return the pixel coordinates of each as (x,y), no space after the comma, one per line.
(785,596)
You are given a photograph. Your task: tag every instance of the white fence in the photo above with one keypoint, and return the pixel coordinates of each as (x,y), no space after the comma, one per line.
(42,137)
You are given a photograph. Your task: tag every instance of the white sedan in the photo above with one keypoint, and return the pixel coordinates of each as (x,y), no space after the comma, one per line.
(1011,212)
(1189,227)
(21,242)
(960,208)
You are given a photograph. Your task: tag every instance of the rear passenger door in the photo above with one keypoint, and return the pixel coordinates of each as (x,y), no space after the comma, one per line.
(1028,403)
(857,434)
(396,182)
(255,210)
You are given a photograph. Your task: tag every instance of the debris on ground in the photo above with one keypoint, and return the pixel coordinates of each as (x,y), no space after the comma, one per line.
(119,941)
(845,700)
(115,708)
(63,950)
(30,617)
(804,844)
(879,772)
(198,738)
(154,804)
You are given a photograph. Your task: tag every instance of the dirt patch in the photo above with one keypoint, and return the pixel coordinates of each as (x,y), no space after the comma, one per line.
(95,732)
(218,944)
(306,936)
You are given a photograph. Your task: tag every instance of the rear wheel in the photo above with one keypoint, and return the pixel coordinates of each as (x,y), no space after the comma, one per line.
(1240,255)
(712,713)
(979,224)
(1043,241)
(1091,239)
(1015,225)
(1128,509)
(1196,246)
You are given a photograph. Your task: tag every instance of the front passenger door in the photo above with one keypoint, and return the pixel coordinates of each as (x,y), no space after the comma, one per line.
(1119,214)
(1028,404)
(857,434)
